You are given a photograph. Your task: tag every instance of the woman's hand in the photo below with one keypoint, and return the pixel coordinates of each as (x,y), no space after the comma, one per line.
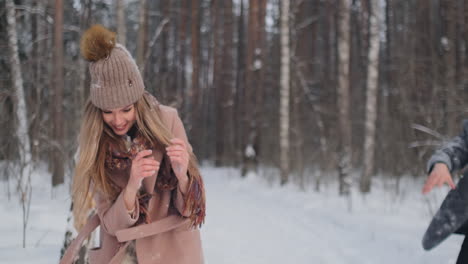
(143,165)
(439,175)
(179,158)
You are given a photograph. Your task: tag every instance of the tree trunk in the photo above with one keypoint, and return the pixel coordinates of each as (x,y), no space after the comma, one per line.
(194,93)
(142,34)
(181,79)
(58,161)
(465,40)
(216,85)
(371,95)
(222,79)
(36,74)
(227,85)
(85,80)
(448,42)
(24,147)
(121,25)
(344,154)
(284,93)
(253,90)
(239,103)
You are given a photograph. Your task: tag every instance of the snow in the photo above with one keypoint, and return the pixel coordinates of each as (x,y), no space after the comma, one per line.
(251,220)
(249,151)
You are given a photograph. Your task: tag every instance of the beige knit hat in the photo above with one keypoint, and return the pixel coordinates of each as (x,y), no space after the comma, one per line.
(115,79)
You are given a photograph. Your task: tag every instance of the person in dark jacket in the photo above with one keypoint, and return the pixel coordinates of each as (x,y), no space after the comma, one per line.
(451,157)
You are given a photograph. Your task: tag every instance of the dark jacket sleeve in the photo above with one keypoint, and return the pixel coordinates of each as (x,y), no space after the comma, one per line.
(453,153)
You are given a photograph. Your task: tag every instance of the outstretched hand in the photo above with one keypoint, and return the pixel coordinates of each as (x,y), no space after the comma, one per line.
(439,176)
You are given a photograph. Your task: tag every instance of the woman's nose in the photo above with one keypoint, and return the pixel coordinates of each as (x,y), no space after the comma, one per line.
(118,120)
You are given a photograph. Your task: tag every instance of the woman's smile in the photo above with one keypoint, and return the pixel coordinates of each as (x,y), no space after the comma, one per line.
(120,119)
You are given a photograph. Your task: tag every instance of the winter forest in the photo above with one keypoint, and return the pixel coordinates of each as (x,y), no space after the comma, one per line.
(325,109)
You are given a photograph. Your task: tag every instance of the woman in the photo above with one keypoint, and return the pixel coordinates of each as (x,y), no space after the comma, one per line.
(135,165)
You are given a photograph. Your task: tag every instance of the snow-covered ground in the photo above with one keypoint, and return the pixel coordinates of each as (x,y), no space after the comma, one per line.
(253,221)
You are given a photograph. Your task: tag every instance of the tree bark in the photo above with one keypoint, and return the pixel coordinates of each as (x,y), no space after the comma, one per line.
(85,80)
(121,22)
(371,95)
(24,147)
(142,34)
(216,84)
(228,74)
(223,80)
(344,154)
(239,104)
(284,93)
(253,91)
(194,93)
(36,73)
(58,161)
(181,78)
(448,41)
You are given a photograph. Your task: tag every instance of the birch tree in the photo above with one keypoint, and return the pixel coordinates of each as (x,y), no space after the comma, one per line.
(371,95)
(284,93)
(24,148)
(344,155)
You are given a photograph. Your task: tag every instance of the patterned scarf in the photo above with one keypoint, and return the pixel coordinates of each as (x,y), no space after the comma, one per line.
(117,160)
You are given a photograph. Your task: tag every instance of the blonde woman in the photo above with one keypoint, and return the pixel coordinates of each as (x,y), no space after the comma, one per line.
(135,166)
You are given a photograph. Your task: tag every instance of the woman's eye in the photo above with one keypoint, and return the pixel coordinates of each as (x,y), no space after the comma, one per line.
(106,112)
(127,110)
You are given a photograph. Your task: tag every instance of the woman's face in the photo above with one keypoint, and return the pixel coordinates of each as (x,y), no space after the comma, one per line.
(120,119)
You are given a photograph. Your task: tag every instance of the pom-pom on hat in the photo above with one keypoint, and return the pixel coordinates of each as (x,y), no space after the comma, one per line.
(115,79)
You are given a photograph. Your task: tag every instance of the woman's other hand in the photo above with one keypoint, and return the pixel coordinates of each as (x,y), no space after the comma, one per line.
(143,165)
(438,176)
(179,157)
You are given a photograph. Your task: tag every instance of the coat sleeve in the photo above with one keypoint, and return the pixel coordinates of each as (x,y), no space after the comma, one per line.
(178,131)
(453,153)
(114,215)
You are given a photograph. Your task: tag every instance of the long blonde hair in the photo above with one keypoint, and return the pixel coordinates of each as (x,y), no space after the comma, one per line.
(94,139)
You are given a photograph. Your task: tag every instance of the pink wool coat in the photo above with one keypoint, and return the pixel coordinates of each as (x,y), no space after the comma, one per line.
(168,239)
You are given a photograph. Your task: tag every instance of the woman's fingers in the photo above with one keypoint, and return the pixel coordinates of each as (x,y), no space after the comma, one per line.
(148,161)
(150,167)
(178,141)
(148,174)
(175,148)
(144,164)
(175,153)
(176,159)
(143,154)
